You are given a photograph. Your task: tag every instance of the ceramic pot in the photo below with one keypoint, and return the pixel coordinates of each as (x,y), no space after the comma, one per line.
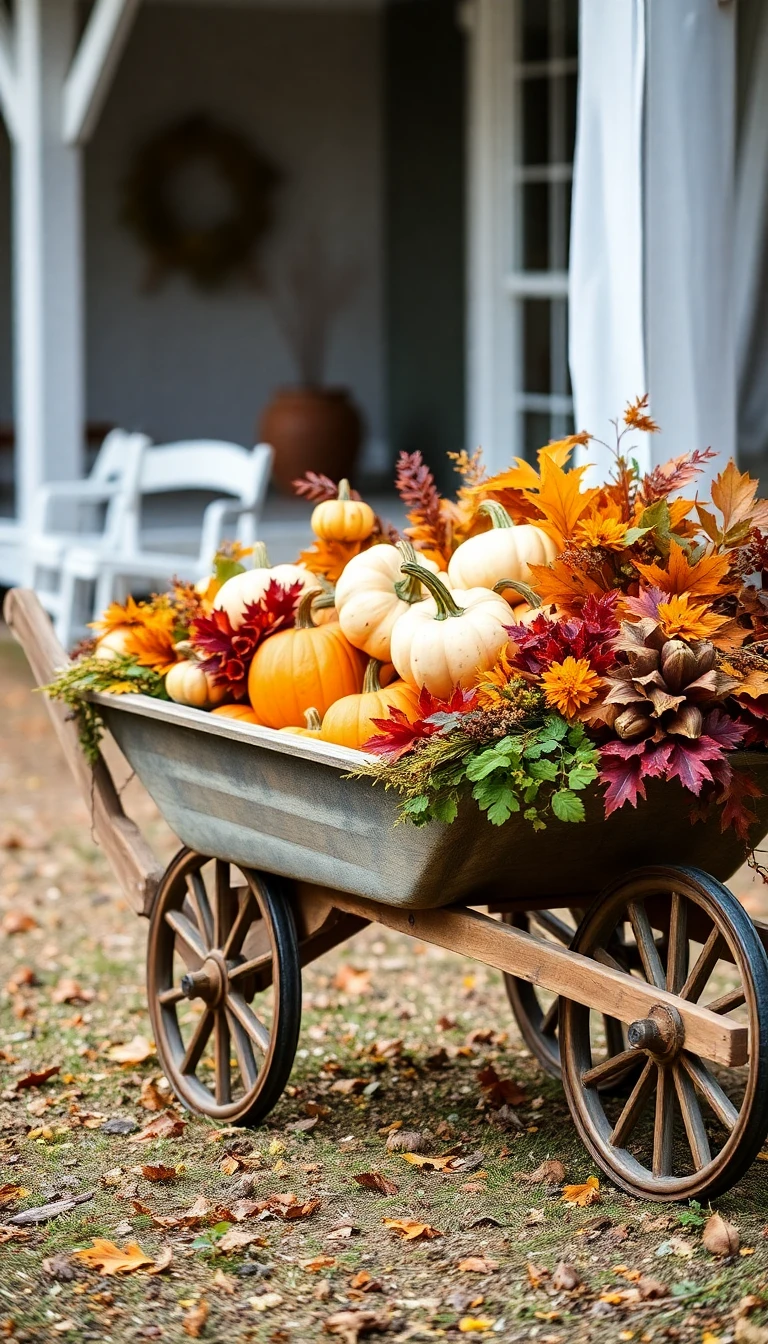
(311,429)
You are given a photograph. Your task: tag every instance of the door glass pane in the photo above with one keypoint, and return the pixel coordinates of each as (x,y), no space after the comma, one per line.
(535,120)
(534,45)
(536,432)
(571,24)
(536,345)
(535,226)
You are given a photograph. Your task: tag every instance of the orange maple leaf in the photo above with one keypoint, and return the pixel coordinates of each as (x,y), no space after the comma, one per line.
(704,578)
(635,416)
(329,557)
(566,587)
(109,1259)
(561,499)
(735,494)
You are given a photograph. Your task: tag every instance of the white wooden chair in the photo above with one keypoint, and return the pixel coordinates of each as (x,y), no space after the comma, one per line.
(238,476)
(86,512)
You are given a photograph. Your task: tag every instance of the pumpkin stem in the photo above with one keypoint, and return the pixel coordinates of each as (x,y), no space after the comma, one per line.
(408,590)
(496,512)
(260,556)
(304,614)
(530,596)
(371,683)
(312,720)
(326,599)
(446,606)
(344,491)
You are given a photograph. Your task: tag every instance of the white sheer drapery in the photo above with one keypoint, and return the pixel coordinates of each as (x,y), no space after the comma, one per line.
(751,242)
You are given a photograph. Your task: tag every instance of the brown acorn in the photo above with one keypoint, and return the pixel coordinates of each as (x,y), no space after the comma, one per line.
(665,685)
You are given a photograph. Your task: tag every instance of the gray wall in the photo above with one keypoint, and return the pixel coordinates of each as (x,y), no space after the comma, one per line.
(305,89)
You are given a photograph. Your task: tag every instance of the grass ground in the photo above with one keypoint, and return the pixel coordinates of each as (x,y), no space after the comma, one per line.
(413,1027)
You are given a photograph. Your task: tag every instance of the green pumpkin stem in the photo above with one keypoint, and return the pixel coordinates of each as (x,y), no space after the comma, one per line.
(446,606)
(304,614)
(371,682)
(312,720)
(496,512)
(326,599)
(344,490)
(260,556)
(408,590)
(530,596)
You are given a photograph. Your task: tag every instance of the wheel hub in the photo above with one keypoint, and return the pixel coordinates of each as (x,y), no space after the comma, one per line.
(661,1033)
(209,983)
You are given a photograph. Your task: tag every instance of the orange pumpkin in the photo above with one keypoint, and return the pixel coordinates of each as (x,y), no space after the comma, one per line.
(309,665)
(312,725)
(343,518)
(349,723)
(243,713)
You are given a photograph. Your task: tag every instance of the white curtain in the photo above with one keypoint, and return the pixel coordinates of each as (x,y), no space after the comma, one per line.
(607,346)
(651,288)
(751,244)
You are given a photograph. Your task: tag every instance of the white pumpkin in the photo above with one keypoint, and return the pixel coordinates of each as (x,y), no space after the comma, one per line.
(450,638)
(506,552)
(113,643)
(372,592)
(243,589)
(187,684)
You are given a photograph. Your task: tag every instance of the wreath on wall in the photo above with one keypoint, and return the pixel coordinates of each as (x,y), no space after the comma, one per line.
(209,254)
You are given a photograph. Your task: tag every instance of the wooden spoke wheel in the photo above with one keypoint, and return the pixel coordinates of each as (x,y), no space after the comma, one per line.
(224,987)
(689,1129)
(537,1011)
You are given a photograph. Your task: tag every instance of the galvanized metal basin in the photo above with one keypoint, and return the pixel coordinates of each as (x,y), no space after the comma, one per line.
(281,803)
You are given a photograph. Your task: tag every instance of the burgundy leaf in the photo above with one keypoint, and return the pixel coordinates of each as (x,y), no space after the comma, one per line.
(724,730)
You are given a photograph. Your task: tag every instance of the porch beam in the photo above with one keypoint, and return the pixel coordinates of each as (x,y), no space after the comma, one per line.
(93,67)
(9,90)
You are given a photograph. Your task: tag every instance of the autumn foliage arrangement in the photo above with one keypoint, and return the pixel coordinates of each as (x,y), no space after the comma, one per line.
(540,640)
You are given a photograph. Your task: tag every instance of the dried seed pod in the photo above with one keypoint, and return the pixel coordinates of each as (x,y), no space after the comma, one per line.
(643,661)
(678,664)
(632,723)
(687,722)
(705,654)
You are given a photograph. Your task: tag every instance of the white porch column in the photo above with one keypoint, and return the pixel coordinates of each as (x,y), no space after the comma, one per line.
(653,201)
(47,256)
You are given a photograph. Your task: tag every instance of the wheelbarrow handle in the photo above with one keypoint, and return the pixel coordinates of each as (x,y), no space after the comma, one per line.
(130,857)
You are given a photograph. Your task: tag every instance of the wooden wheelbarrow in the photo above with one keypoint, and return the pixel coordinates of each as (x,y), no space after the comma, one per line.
(633,973)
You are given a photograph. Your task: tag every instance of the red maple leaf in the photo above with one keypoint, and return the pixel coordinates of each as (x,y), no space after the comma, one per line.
(590,636)
(227,653)
(398,734)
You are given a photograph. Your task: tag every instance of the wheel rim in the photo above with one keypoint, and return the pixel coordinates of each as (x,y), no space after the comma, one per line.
(687,1127)
(537,1012)
(218,938)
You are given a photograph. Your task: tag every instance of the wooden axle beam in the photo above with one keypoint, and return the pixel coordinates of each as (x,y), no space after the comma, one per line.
(609,991)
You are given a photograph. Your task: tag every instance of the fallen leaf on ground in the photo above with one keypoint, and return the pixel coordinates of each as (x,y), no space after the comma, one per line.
(134,1051)
(675,1246)
(17,921)
(159,1173)
(500,1091)
(470,1325)
(227,1283)
(237,1238)
(163,1261)
(165,1126)
(302,1126)
(71,991)
(362,1282)
(349,1086)
(342,1231)
(720,1237)
(477,1264)
(583,1195)
(373,1180)
(536,1274)
(151,1098)
(352,980)
(37,1079)
(193,1321)
(551,1172)
(289,1207)
(565,1277)
(43,1213)
(450,1162)
(350,1325)
(265,1301)
(319,1262)
(109,1259)
(410,1230)
(10,1193)
(405,1141)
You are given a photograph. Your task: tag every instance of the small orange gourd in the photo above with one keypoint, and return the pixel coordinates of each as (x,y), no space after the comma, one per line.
(309,665)
(343,518)
(243,714)
(312,725)
(349,723)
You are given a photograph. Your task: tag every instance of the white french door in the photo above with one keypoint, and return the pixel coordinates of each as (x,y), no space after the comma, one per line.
(522,116)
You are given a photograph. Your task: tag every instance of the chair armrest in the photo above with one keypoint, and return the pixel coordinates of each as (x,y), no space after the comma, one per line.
(84,491)
(213,526)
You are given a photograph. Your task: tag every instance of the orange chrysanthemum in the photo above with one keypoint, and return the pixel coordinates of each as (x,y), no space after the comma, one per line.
(680,618)
(491,687)
(570,685)
(119,614)
(604,529)
(152,643)
(635,416)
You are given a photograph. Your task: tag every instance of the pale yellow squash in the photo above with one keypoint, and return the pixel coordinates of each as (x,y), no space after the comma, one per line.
(506,551)
(372,592)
